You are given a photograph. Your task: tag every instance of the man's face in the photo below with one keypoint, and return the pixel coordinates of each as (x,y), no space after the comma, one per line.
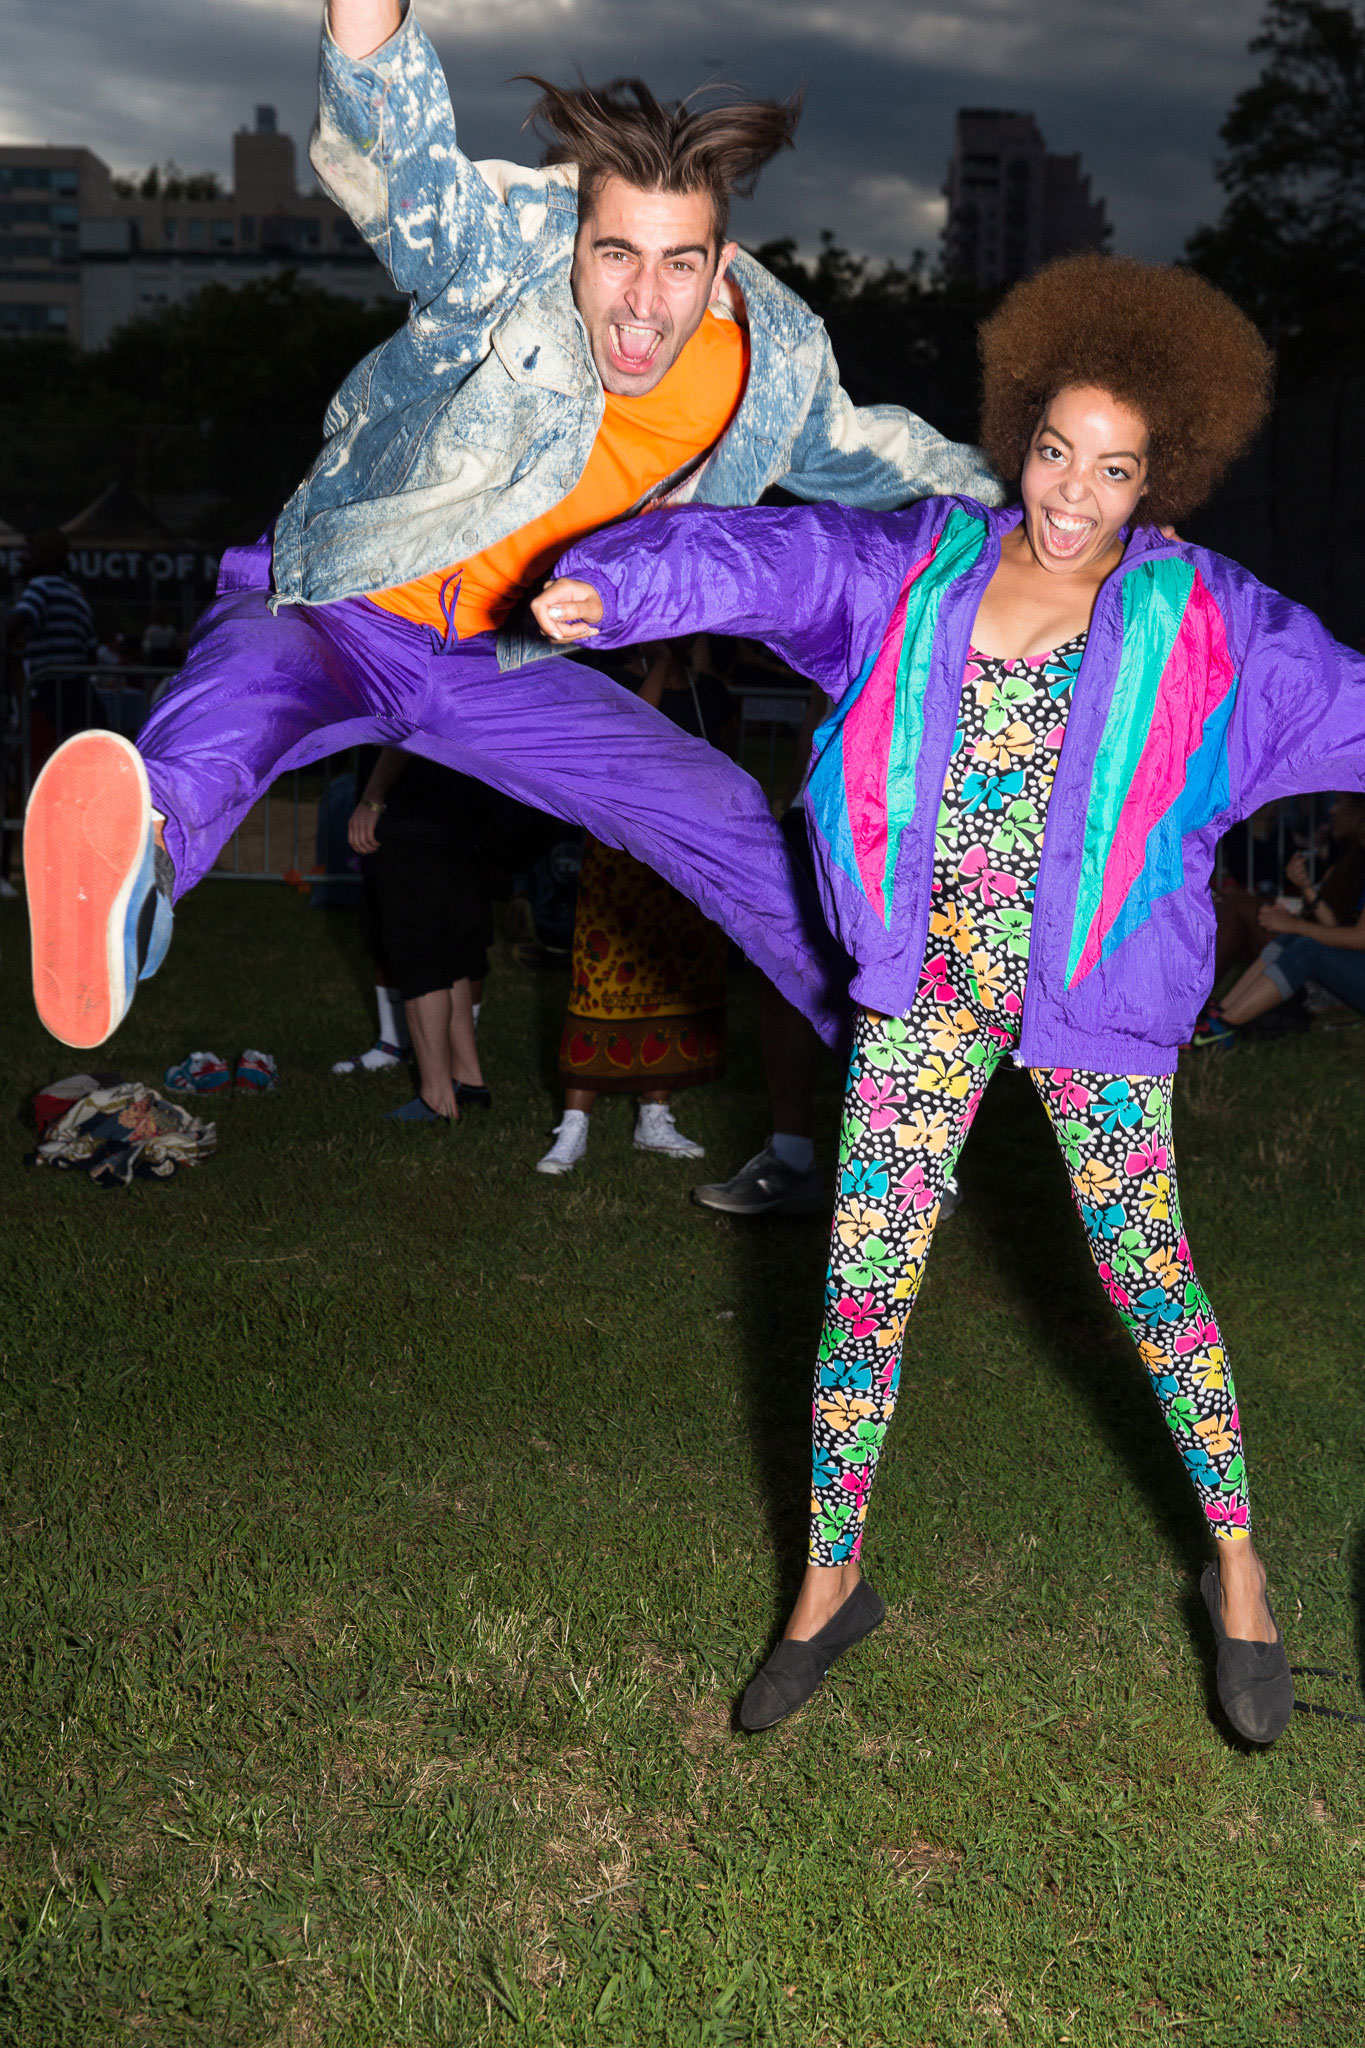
(645,268)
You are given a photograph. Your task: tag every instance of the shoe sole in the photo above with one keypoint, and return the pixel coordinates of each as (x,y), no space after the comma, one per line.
(671,1151)
(784,1205)
(88,859)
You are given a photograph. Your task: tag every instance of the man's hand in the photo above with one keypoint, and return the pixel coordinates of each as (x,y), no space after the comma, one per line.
(567,610)
(359,27)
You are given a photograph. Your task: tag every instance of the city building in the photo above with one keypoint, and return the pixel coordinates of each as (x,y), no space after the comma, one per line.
(1012,204)
(45,194)
(81,254)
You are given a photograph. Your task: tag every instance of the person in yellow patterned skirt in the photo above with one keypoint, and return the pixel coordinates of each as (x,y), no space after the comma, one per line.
(646,1009)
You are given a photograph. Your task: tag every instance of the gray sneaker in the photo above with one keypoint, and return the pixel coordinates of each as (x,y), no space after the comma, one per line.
(766,1186)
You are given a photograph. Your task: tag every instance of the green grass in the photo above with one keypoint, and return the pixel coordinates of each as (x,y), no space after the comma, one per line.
(389,1531)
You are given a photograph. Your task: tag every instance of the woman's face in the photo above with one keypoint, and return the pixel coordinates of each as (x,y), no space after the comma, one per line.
(1085,470)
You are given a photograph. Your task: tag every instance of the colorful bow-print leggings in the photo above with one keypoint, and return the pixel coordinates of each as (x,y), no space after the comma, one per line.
(907,1112)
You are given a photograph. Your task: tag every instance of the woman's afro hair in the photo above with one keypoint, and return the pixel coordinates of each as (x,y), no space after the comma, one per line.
(1160,339)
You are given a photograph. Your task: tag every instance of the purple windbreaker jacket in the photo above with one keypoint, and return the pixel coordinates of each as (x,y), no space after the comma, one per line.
(1201,696)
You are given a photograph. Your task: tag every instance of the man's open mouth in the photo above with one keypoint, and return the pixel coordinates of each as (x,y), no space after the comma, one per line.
(634,347)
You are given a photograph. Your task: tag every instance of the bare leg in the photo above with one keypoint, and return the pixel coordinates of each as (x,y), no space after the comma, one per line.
(823,1591)
(1254,994)
(429,1027)
(1241,1576)
(463,1058)
(580,1098)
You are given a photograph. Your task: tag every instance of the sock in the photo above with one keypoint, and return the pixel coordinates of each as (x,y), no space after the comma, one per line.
(795,1152)
(393,1023)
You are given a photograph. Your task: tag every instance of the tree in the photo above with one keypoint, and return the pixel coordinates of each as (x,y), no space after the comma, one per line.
(224,394)
(1290,245)
(168,181)
(901,335)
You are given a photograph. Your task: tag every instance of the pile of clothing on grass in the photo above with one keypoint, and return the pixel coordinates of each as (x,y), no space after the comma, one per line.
(116,1131)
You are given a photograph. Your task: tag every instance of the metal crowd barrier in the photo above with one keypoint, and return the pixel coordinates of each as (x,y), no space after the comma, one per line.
(278,841)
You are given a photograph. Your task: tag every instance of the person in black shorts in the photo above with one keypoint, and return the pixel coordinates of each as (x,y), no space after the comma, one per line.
(421,831)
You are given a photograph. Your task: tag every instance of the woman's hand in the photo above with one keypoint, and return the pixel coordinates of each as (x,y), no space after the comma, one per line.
(360,833)
(1296,871)
(1272,919)
(567,609)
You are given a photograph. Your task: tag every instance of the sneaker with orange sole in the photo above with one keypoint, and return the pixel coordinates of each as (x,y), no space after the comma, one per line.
(98,886)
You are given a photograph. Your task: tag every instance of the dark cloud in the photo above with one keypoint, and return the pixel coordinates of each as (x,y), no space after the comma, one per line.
(1138,89)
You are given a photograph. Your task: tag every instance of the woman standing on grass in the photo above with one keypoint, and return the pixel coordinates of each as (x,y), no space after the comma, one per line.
(646,1012)
(1061,664)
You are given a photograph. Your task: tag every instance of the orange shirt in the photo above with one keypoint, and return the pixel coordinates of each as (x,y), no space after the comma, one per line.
(640,442)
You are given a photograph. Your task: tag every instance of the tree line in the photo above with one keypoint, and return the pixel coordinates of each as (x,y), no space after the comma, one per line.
(225,394)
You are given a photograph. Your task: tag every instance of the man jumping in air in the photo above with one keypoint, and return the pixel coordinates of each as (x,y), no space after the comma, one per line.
(583,343)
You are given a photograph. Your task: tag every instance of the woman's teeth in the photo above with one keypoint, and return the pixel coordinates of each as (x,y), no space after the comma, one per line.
(1066,532)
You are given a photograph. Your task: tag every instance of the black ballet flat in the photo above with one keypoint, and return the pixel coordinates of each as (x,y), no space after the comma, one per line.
(795,1669)
(1255,1689)
(468,1096)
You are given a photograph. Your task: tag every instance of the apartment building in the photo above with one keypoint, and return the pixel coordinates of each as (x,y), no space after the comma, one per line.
(1012,203)
(80,258)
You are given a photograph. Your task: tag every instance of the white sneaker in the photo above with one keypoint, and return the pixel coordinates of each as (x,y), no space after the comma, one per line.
(380,1057)
(655,1131)
(571,1142)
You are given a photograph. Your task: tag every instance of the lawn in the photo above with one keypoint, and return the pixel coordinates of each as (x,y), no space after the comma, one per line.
(390,1531)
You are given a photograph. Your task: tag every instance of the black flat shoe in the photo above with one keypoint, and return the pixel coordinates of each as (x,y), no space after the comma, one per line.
(1255,1689)
(469,1096)
(794,1670)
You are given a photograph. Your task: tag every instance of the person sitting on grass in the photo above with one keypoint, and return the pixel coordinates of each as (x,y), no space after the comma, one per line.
(1065,664)
(1325,945)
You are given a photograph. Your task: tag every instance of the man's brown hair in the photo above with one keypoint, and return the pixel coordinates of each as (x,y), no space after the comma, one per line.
(622,130)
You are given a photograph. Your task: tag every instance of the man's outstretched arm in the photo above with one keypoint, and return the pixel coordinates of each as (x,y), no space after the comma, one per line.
(879,456)
(384,148)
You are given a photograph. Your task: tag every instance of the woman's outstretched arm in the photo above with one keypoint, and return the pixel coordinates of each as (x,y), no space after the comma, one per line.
(816,583)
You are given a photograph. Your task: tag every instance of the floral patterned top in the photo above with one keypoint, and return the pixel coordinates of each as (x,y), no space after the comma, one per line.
(989,839)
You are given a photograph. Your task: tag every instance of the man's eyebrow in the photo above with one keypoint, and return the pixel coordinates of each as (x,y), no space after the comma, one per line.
(633,248)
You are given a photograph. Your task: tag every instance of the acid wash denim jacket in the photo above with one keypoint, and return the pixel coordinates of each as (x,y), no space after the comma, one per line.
(480,413)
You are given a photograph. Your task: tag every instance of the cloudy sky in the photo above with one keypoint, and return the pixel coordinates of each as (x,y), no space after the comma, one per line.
(1137,86)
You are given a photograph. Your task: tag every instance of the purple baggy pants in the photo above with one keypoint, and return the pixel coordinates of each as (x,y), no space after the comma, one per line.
(264,692)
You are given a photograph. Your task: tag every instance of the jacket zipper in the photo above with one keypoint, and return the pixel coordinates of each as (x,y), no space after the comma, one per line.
(955,655)
(1109,594)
